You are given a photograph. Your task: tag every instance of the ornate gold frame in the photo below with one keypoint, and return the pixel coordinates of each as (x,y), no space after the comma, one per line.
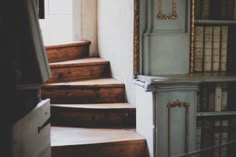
(136,37)
(162,16)
(191,68)
(186,105)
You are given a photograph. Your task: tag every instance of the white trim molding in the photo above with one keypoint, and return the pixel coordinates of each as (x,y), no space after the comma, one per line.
(85,23)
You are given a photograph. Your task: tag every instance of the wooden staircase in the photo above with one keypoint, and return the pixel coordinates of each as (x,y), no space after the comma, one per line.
(89,114)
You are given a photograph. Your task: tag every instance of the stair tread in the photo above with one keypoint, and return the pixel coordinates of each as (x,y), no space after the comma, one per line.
(68,136)
(104,82)
(69,44)
(97,106)
(79,62)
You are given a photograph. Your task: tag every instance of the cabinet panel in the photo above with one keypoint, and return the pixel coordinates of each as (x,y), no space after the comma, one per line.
(179,24)
(172,131)
(31,134)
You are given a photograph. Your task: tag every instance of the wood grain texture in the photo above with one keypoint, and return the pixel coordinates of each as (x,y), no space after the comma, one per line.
(79,69)
(94,115)
(91,91)
(65,52)
(97,142)
(83,94)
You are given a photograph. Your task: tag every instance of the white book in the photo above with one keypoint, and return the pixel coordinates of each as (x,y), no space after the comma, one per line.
(218,99)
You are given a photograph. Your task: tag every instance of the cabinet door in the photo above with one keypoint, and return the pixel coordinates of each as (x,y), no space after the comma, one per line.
(31,134)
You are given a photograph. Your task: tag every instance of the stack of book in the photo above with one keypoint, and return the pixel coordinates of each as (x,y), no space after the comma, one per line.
(215,9)
(210,48)
(213,98)
(217,130)
(212,133)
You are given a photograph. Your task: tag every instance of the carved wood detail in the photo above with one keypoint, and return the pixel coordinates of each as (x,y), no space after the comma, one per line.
(162,16)
(186,105)
(192,36)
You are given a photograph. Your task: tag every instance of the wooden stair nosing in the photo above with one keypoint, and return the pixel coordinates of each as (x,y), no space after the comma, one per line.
(80,62)
(99,106)
(74,44)
(94,83)
(136,148)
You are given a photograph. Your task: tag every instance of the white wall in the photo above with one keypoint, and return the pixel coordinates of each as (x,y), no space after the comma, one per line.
(85,23)
(115,40)
(57,26)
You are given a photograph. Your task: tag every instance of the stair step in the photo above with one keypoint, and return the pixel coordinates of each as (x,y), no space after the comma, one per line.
(90,142)
(88,91)
(69,51)
(94,115)
(79,69)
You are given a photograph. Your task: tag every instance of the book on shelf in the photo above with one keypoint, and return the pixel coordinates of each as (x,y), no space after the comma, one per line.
(198,134)
(223,9)
(231,55)
(197,9)
(213,98)
(224,45)
(229,9)
(220,137)
(210,48)
(217,137)
(224,98)
(208,39)
(215,9)
(207,136)
(205,11)
(198,102)
(232,137)
(216,48)
(213,132)
(218,97)
(204,99)
(224,137)
(198,48)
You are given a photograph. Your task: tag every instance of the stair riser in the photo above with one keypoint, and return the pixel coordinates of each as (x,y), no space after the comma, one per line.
(79,73)
(93,118)
(116,149)
(67,53)
(84,95)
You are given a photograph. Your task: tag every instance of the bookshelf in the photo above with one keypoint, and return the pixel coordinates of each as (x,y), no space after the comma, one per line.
(213,36)
(213,51)
(187,60)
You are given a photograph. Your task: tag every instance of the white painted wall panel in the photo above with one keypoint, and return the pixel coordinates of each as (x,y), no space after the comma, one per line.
(115,40)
